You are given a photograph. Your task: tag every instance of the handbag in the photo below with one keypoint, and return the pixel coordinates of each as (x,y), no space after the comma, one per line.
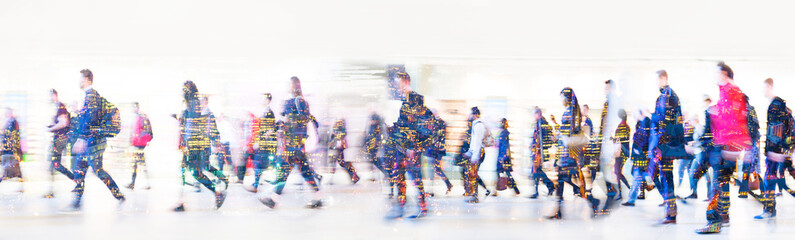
(575,140)
(502,183)
(753,182)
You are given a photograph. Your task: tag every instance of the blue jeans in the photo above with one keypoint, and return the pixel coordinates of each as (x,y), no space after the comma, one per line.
(637,183)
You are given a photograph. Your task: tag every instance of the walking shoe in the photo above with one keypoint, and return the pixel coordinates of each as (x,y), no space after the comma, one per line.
(355,179)
(488,192)
(534,196)
(49,195)
(709,229)
(420,214)
(725,219)
(765,216)
(71,208)
(692,196)
(628,204)
(180,208)
(472,200)
(131,186)
(449,188)
(315,204)
(668,221)
(268,202)
(220,197)
(555,217)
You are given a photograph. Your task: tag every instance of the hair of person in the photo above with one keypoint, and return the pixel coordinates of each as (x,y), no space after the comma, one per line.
(769,81)
(136,104)
(726,69)
(87,74)
(622,114)
(190,91)
(475,111)
(662,73)
(586,106)
(53,91)
(296,87)
(268,96)
(609,82)
(574,107)
(537,110)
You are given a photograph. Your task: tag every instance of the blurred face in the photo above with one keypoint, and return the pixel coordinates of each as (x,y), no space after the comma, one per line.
(405,85)
(53,98)
(563,100)
(203,102)
(608,88)
(662,81)
(586,110)
(135,108)
(537,115)
(769,91)
(84,82)
(267,102)
(722,77)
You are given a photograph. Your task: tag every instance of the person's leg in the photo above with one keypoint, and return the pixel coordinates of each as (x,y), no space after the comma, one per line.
(260,163)
(415,171)
(563,177)
(512,182)
(348,166)
(636,185)
(667,179)
(743,180)
(437,168)
(768,190)
(80,169)
(714,218)
(95,162)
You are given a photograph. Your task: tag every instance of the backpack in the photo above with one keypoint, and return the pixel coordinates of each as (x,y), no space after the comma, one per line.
(111,119)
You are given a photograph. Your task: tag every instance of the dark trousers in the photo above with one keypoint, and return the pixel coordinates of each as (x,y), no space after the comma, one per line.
(260,162)
(338,156)
(666,179)
(92,157)
(565,175)
(539,175)
(224,157)
(437,169)
(768,186)
(402,166)
(719,204)
(295,158)
(56,152)
(194,161)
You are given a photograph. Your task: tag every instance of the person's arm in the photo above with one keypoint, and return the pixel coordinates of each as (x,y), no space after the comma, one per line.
(62,121)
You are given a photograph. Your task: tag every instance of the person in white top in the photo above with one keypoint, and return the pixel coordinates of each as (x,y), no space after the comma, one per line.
(475,155)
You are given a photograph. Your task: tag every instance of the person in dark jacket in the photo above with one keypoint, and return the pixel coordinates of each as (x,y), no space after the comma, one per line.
(504,165)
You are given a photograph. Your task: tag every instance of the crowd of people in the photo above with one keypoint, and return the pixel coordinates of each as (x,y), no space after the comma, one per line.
(396,139)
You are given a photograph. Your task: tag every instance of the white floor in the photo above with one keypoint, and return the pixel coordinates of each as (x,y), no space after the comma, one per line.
(352,212)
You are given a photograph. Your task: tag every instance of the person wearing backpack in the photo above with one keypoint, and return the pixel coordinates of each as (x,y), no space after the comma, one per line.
(59,129)
(139,138)
(96,121)
(480,138)
(778,144)
(195,141)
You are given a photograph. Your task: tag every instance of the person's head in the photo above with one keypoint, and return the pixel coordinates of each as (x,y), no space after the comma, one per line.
(53,96)
(537,113)
(769,88)
(405,81)
(504,123)
(609,86)
(268,98)
(622,114)
(567,96)
(204,101)
(189,91)
(86,78)
(586,110)
(135,107)
(662,78)
(639,114)
(295,87)
(725,73)
(474,113)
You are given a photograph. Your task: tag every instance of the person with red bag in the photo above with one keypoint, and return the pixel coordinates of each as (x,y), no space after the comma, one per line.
(504,165)
(140,137)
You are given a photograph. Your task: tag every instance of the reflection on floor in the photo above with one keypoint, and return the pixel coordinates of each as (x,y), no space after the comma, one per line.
(352,212)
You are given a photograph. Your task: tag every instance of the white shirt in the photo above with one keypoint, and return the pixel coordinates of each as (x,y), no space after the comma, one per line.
(476,140)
